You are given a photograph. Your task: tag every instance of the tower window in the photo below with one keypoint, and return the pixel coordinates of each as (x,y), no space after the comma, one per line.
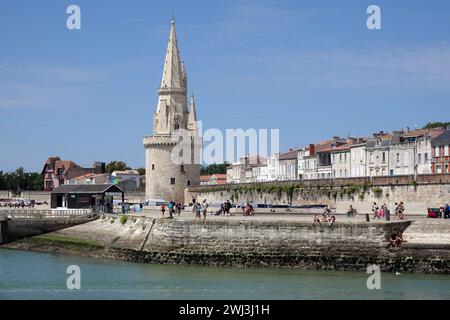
(172,180)
(182,168)
(153,167)
(189,183)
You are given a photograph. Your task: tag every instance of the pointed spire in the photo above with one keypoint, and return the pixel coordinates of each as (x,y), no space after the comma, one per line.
(173,71)
(192,112)
(192,117)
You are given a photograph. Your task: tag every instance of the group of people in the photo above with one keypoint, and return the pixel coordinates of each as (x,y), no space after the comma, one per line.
(224,209)
(396,239)
(248,210)
(199,208)
(327,217)
(17,204)
(381,212)
(173,207)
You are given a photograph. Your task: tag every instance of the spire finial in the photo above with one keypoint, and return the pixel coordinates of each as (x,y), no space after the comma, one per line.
(173,19)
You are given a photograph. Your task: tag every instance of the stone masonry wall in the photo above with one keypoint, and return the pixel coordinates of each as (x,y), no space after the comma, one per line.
(417,194)
(345,246)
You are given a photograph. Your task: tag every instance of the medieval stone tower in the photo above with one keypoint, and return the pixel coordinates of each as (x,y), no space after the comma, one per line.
(166,178)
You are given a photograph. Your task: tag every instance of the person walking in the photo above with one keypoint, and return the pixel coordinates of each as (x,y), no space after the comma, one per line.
(205,208)
(401,210)
(179,208)
(163,209)
(193,204)
(171,205)
(198,210)
(351,212)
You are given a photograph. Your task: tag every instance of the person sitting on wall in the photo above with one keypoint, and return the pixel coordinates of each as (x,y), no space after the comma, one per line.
(441,213)
(221,210)
(396,239)
(331,220)
(316,219)
(248,209)
(447,212)
(251,211)
(326,213)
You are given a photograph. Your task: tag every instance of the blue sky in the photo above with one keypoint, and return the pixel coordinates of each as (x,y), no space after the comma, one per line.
(310,68)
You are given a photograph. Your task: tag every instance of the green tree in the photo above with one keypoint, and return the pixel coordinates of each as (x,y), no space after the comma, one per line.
(214,168)
(141,171)
(116,166)
(431,125)
(21,180)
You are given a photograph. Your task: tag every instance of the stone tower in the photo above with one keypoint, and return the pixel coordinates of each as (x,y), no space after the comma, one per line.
(167,177)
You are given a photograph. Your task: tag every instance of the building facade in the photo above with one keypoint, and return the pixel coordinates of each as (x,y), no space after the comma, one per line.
(246,169)
(441,153)
(57,172)
(340,161)
(288,165)
(213,179)
(171,165)
(301,162)
(377,154)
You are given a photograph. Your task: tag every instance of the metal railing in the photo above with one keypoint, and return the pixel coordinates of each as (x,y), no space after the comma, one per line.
(48,214)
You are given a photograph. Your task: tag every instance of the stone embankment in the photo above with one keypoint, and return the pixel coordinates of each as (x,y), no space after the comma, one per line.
(239,241)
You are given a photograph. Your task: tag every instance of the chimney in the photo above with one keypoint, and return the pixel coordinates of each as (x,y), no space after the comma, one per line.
(99,167)
(312,149)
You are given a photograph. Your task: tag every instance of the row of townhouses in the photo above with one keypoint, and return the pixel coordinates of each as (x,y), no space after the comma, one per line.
(57,172)
(406,152)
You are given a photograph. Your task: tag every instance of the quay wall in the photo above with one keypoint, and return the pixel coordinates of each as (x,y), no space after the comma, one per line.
(418,193)
(249,243)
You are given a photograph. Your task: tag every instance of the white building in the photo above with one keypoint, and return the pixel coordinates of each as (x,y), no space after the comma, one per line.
(234,173)
(358,160)
(288,166)
(412,153)
(377,154)
(127,175)
(242,170)
(340,161)
(272,168)
(260,173)
(302,154)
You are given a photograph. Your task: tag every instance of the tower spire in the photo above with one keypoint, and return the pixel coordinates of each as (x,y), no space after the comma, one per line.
(192,117)
(173,71)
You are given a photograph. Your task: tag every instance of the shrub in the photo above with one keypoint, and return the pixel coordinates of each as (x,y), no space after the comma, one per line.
(123,219)
(377,191)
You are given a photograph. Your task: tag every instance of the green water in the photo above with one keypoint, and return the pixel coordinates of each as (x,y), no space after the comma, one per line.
(28,275)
